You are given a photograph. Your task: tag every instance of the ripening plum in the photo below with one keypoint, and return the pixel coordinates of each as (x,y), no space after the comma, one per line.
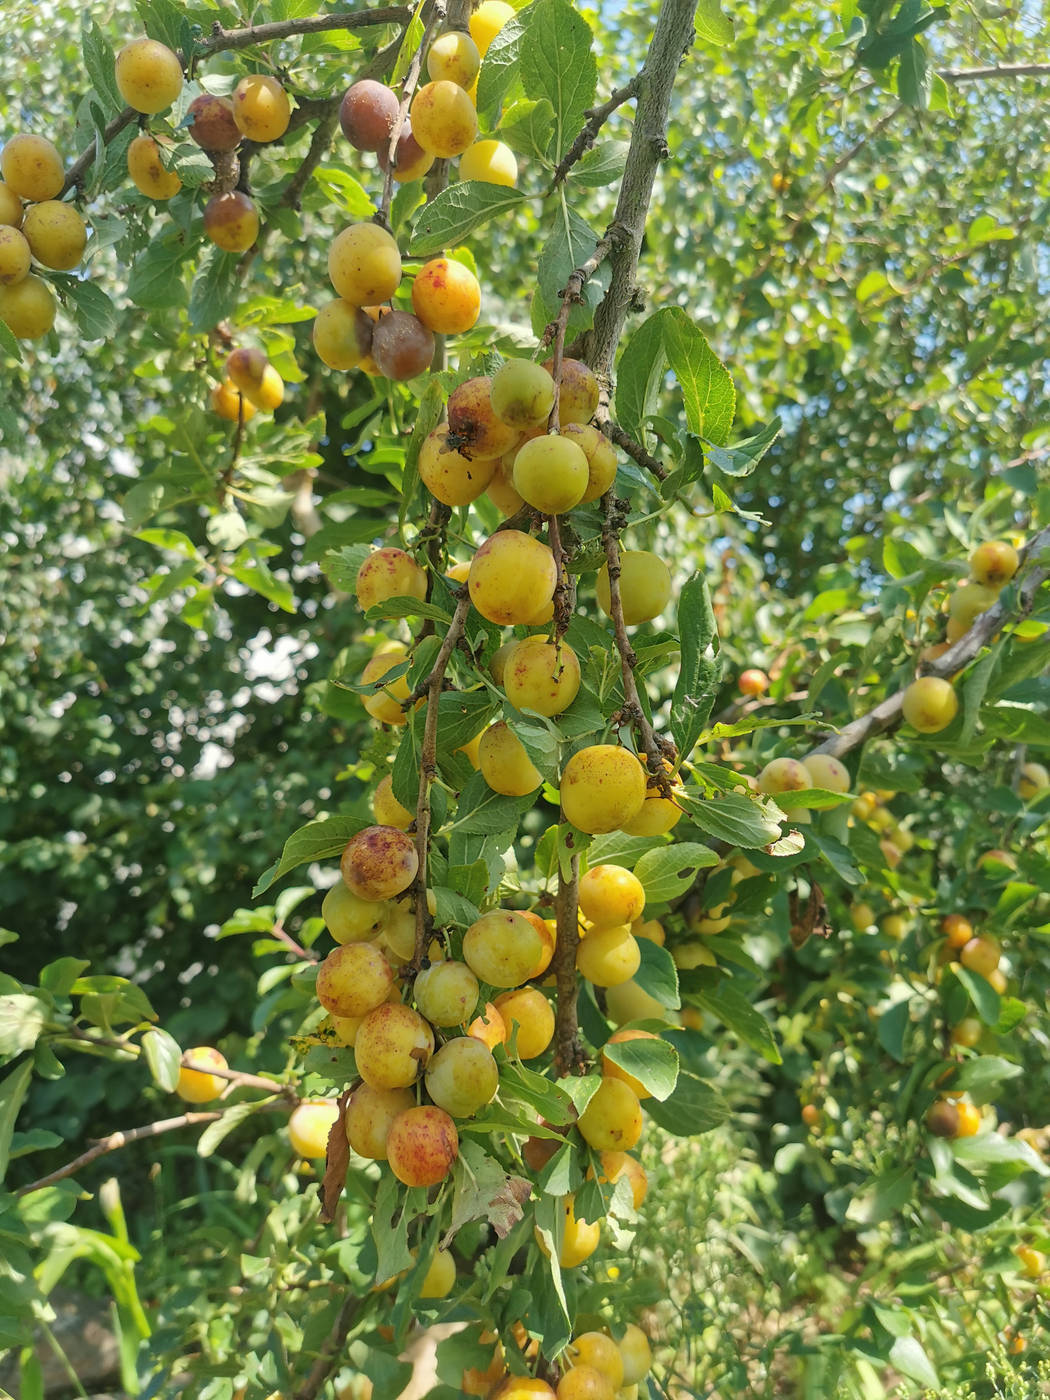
(651,929)
(511,577)
(28,308)
(542,676)
(645,587)
(981,955)
(440,1278)
(601,458)
(402,346)
(753,682)
(617,1164)
(397,934)
(369,1114)
(32,167)
(444,121)
(551,473)
(547,930)
(609,894)
(501,948)
(489,1027)
(354,979)
(474,427)
(608,956)
(350,919)
(580,1238)
(610,1070)
(446,296)
(446,993)
(585,1383)
(367,115)
(212,124)
(393,1046)
(385,704)
(942,1119)
(658,814)
(965,606)
(255,377)
(578,393)
(784,775)
(462,1077)
(411,162)
(228,402)
(827,772)
(505,763)
(342,334)
(379,862)
(500,489)
(1034,779)
(602,787)
(630,1002)
(492,162)
(148,75)
(994,563)
(364,264)
(196,1085)
(11,206)
(529,1010)
(15,256)
(453,57)
(447,474)
(612,1118)
(929,704)
(309,1125)
(487,21)
(599,1351)
(261,108)
(147,171)
(522,394)
(386,809)
(231,221)
(389,573)
(422,1145)
(637,1354)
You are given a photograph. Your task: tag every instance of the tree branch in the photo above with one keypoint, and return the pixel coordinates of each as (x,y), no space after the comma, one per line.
(408,89)
(1003,70)
(596,119)
(239,1080)
(633,449)
(328,1357)
(115,1140)
(84,162)
(887,714)
(288,28)
(431,687)
(568,1055)
(671,40)
(571,296)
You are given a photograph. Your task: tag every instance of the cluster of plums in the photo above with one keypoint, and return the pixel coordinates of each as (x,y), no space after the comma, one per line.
(44,229)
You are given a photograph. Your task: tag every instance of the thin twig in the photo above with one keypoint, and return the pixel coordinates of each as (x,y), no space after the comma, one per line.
(222,39)
(408,91)
(238,1079)
(116,1140)
(84,162)
(431,687)
(1003,70)
(572,295)
(844,160)
(596,119)
(634,449)
(568,1055)
(888,714)
(328,1357)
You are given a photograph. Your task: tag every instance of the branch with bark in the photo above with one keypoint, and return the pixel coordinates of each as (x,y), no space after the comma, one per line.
(596,119)
(408,90)
(117,1140)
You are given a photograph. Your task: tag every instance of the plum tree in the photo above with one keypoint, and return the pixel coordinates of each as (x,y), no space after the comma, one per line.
(212,124)
(612,1118)
(602,786)
(473,425)
(784,775)
(502,947)
(440,1277)
(385,704)
(229,403)
(369,1114)
(350,919)
(522,393)
(611,1070)
(28,308)
(448,474)
(231,221)
(601,458)
(542,676)
(379,863)
(610,894)
(462,1077)
(511,577)
(367,115)
(354,979)
(388,573)
(446,993)
(56,234)
(148,172)
(585,1383)
(487,20)
(342,334)
(609,955)
(505,763)
(994,563)
(11,206)
(600,1352)
(551,473)
(578,391)
(422,1145)
(827,772)
(402,346)
(148,75)
(453,57)
(386,809)
(411,162)
(929,704)
(528,1013)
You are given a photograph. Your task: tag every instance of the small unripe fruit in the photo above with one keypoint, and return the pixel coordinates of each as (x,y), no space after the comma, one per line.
(393,1046)
(446,296)
(967,1033)
(827,772)
(231,221)
(147,171)
(511,575)
(753,682)
(32,167)
(367,115)
(492,162)
(148,75)
(602,786)
(364,264)
(861,916)
(309,1126)
(1032,1261)
(453,57)
(11,206)
(196,1085)
(645,587)
(981,955)
(212,125)
(527,1009)
(261,108)
(422,1145)
(542,676)
(446,993)
(578,394)
(369,1114)
(28,308)
(379,862)
(501,948)
(462,1077)
(354,979)
(522,394)
(994,563)
(613,1118)
(440,1278)
(15,256)
(929,704)
(444,121)
(473,426)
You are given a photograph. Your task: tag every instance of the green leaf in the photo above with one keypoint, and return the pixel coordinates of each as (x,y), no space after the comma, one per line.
(731,1007)
(93,312)
(250,568)
(973,692)
(215,289)
(570,244)
(668,871)
(10,346)
(163,1055)
(13,1090)
(983,995)
(99,63)
(453,215)
(983,1074)
(59,976)
(602,165)
(22,1019)
(156,282)
(741,458)
(528,127)
(712,24)
(740,820)
(657,974)
(654,1063)
(318,840)
(707,386)
(482,812)
(697,683)
(556,62)
(882,1197)
(694,1107)
(500,67)
(907,1355)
